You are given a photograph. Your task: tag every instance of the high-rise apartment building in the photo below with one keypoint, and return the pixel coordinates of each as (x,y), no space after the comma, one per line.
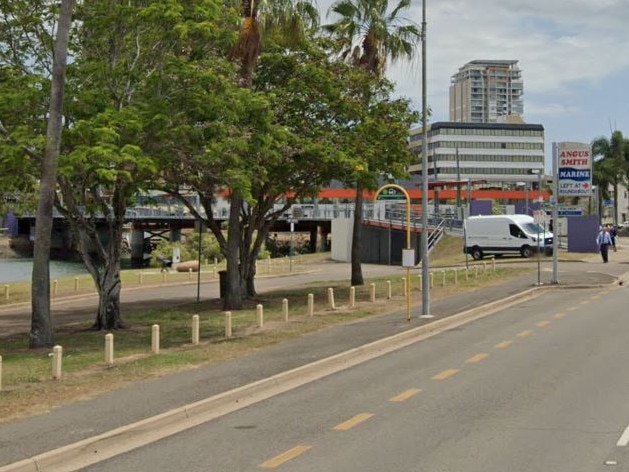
(486,92)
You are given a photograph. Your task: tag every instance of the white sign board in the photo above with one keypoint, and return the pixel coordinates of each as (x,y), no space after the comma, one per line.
(408,257)
(574,165)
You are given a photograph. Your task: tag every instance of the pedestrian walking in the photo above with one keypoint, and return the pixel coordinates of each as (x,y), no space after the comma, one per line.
(613,232)
(604,241)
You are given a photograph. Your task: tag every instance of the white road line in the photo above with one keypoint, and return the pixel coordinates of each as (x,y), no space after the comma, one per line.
(624,439)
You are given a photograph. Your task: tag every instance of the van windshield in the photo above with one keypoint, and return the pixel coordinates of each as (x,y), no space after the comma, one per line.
(532,228)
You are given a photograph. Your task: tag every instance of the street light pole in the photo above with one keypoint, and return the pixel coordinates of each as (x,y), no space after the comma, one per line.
(458,185)
(424,256)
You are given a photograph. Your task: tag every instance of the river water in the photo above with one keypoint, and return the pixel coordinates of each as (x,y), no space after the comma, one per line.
(20,270)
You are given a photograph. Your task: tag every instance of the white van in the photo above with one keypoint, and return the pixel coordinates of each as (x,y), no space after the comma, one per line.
(502,234)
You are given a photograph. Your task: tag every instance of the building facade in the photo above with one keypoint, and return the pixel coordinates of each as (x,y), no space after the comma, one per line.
(499,154)
(486,92)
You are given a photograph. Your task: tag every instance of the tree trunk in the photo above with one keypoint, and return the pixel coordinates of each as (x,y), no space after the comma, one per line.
(357,272)
(233,295)
(41,333)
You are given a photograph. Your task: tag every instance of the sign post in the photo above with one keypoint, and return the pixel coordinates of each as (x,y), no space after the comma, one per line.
(395,192)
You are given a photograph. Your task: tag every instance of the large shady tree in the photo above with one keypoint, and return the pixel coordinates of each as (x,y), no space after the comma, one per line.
(367,33)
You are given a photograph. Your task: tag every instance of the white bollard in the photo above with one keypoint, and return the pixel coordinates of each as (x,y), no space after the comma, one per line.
(76,284)
(372,292)
(285,308)
(190,273)
(0,373)
(109,349)
(352,297)
(331,299)
(389,288)
(443,278)
(420,282)
(467,274)
(57,354)
(195,329)
(260,313)
(155,339)
(7,290)
(228,324)
(55,284)
(493,264)
(456,276)
(310,304)
(140,278)
(432,280)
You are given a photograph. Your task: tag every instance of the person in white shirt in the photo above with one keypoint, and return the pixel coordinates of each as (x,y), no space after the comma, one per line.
(604,240)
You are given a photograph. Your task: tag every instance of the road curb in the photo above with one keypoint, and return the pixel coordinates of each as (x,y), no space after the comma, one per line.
(126,438)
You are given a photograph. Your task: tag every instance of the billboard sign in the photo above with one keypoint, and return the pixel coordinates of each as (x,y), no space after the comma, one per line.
(574,164)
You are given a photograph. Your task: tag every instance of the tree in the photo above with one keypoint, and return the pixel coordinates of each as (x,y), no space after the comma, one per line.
(367,33)
(612,165)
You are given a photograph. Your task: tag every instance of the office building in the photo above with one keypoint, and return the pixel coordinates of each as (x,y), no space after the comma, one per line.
(486,92)
(499,154)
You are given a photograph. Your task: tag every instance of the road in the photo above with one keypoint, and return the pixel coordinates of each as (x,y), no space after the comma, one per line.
(541,386)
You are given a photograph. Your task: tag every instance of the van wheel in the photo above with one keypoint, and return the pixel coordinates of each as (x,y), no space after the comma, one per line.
(477,253)
(526,251)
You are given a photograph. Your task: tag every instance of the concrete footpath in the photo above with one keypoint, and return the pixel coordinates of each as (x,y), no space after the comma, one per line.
(200,394)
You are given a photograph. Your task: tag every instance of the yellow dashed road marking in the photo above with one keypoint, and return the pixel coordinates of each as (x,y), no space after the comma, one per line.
(596,297)
(584,302)
(284,457)
(344,426)
(405,395)
(526,332)
(573,308)
(445,374)
(477,358)
(558,316)
(543,324)
(503,344)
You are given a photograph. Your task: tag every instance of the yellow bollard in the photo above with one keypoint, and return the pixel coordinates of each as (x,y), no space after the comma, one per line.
(190,273)
(372,293)
(432,279)
(109,349)
(195,329)
(310,304)
(57,354)
(0,373)
(76,284)
(155,339)
(456,276)
(420,282)
(285,308)
(140,278)
(443,278)
(389,288)
(331,299)
(228,324)
(55,284)
(352,297)
(7,289)
(260,313)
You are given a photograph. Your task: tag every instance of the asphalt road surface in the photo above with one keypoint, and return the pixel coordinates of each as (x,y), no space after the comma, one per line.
(540,386)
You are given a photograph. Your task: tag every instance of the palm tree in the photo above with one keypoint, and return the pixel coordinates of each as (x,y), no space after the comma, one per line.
(368,33)
(612,167)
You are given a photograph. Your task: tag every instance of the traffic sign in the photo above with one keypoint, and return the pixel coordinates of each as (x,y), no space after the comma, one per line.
(391,193)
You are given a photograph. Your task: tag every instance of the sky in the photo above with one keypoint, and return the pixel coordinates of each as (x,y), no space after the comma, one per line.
(573,54)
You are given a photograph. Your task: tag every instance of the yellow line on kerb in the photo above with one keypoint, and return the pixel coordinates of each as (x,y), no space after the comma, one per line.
(405,395)
(477,358)
(526,332)
(558,316)
(284,457)
(445,374)
(350,423)
(543,324)
(503,344)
